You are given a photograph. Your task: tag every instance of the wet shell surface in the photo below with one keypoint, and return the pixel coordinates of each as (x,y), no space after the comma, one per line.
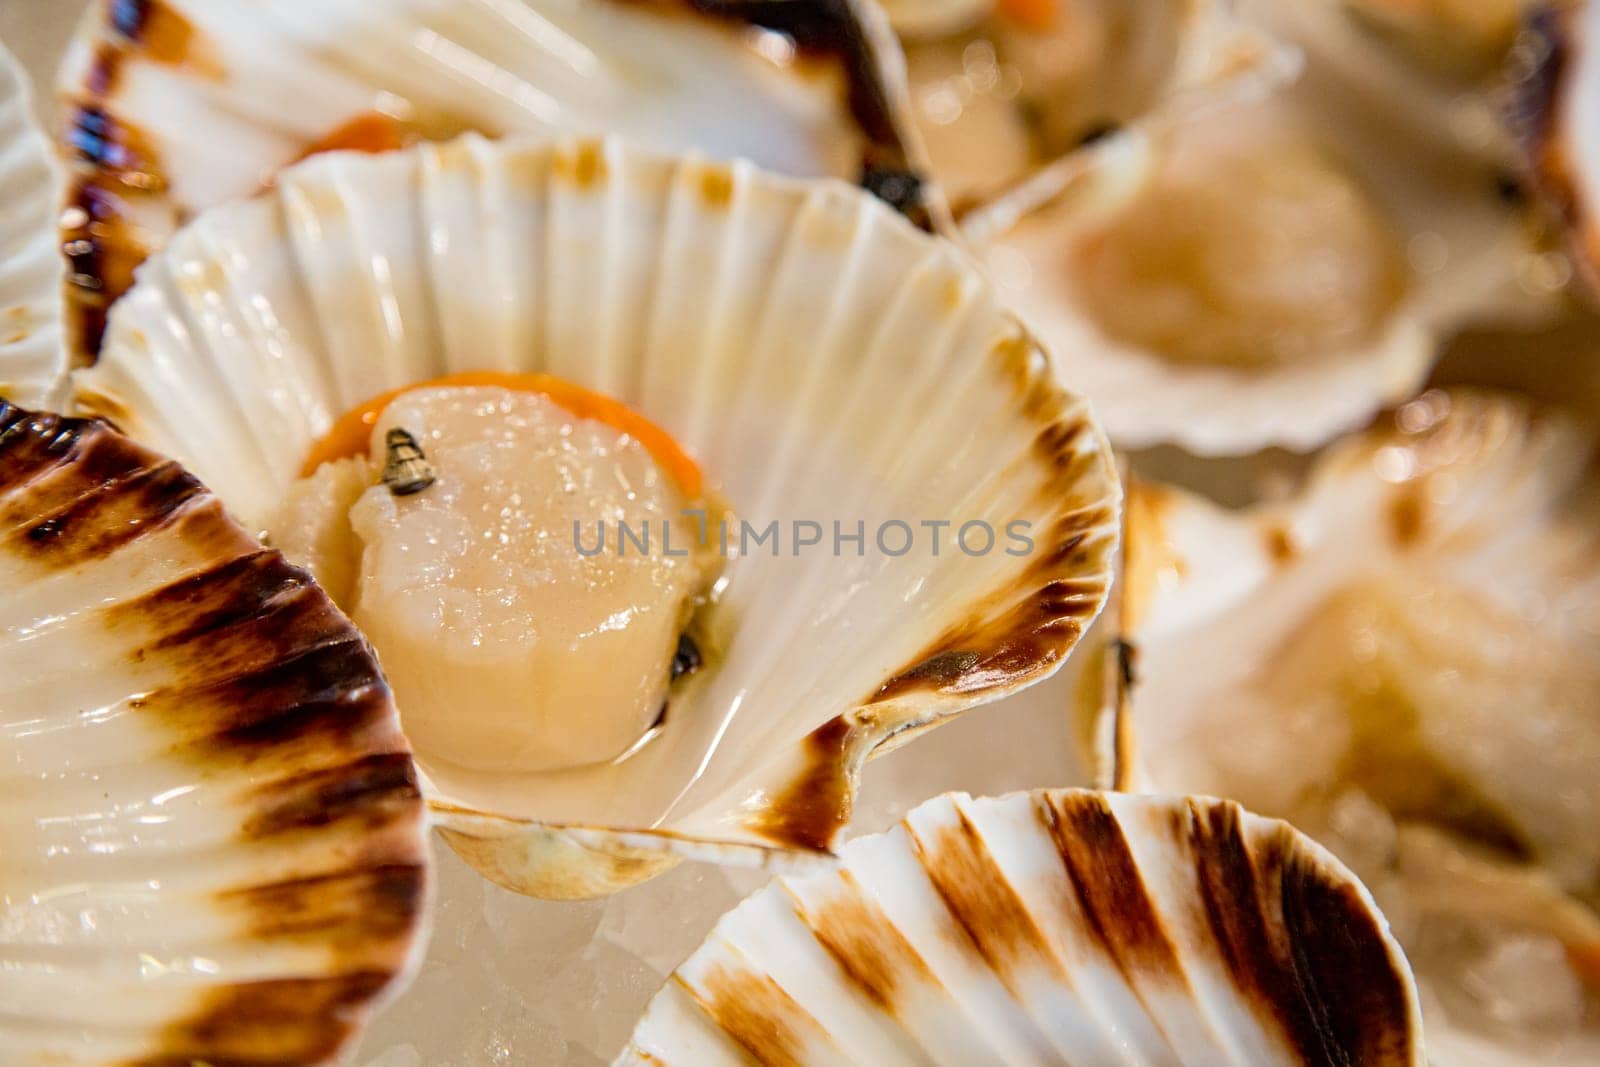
(1556,116)
(1066,927)
(213,834)
(1402,660)
(820,358)
(1290,261)
(32,368)
(174,106)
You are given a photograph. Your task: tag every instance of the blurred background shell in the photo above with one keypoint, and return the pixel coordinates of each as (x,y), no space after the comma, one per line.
(921,19)
(213,835)
(1278,264)
(1009,95)
(177,106)
(817,354)
(1061,926)
(32,367)
(1402,659)
(1410,50)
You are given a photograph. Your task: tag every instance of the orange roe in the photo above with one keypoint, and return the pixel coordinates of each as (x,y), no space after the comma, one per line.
(352,434)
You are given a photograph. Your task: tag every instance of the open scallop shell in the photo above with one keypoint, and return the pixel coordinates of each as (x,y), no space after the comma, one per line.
(1062,926)
(1460,253)
(1556,115)
(819,356)
(214,837)
(1405,661)
(1006,94)
(32,367)
(179,105)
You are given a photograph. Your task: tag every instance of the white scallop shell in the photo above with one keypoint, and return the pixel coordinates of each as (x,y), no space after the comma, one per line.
(1470,254)
(177,106)
(214,838)
(32,366)
(1065,927)
(1456,495)
(821,358)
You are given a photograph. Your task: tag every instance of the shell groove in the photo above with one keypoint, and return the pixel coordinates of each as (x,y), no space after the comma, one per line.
(1058,926)
(32,366)
(213,834)
(819,357)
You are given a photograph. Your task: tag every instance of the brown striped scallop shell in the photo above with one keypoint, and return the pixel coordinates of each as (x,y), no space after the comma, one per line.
(176,106)
(1054,927)
(213,838)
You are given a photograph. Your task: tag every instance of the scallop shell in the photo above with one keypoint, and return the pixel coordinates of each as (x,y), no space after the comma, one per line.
(1004,103)
(1467,253)
(1448,40)
(214,835)
(1557,92)
(179,105)
(820,357)
(32,368)
(1441,570)
(1059,926)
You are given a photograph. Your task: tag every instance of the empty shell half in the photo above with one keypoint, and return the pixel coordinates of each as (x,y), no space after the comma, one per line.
(32,368)
(1061,926)
(1278,268)
(1404,660)
(832,381)
(178,105)
(1556,115)
(213,833)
